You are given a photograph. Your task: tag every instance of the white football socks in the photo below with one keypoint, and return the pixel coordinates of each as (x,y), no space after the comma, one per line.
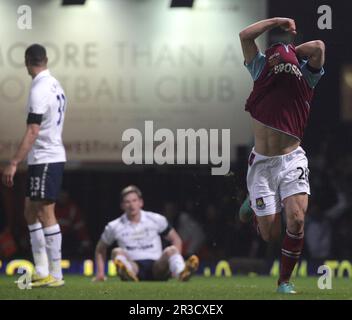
(125,261)
(53,239)
(176,264)
(40,256)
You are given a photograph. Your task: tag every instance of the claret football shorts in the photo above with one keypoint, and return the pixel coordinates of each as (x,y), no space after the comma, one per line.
(272,179)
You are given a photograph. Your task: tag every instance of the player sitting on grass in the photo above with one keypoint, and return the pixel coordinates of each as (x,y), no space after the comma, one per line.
(139,255)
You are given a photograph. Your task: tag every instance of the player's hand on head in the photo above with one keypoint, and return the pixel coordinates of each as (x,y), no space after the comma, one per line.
(287,24)
(8,174)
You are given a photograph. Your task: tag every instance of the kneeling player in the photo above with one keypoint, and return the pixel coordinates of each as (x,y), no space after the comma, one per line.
(139,255)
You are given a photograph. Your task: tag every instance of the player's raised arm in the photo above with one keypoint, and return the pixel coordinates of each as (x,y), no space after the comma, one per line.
(249,34)
(314,51)
(174,239)
(100,258)
(27,142)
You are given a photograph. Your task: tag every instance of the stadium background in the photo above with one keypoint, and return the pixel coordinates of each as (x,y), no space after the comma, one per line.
(100,85)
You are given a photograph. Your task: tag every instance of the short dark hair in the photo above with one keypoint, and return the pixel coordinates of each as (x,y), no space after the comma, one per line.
(130,189)
(279,35)
(35,55)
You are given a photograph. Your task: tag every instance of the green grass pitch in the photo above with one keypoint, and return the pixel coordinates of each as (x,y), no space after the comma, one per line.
(202,288)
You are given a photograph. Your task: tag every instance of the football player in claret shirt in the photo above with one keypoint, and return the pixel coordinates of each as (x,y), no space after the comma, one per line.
(277,179)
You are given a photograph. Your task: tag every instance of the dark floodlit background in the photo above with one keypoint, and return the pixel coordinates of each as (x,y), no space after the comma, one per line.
(202,208)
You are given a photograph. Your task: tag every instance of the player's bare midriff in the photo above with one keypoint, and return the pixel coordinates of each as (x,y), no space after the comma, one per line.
(270,142)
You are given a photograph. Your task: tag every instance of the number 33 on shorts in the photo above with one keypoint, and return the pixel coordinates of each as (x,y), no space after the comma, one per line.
(34,185)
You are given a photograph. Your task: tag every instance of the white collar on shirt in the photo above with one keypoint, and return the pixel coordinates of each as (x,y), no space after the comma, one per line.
(141,219)
(41,74)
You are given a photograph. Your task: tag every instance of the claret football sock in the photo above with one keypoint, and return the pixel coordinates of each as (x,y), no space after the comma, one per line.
(38,249)
(290,252)
(176,264)
(53,239)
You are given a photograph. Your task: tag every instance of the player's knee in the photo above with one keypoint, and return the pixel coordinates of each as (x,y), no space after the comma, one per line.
(270,235)
(117,252)
(295,221)
(171,250)
(45,217)
(319,45)
(296,226)
(46,213)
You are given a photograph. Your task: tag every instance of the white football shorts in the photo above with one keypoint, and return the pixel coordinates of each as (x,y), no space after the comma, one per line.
(272,179)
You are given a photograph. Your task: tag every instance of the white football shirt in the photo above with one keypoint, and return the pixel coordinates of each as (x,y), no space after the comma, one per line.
(140,240)
(47,97)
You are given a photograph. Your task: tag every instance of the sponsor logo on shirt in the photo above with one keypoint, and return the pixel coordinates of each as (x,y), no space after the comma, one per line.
(288,68)
(145,247)
(274,59)
(136,234)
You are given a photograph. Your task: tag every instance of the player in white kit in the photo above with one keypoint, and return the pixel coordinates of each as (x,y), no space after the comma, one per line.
(139,255)
(42,145)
